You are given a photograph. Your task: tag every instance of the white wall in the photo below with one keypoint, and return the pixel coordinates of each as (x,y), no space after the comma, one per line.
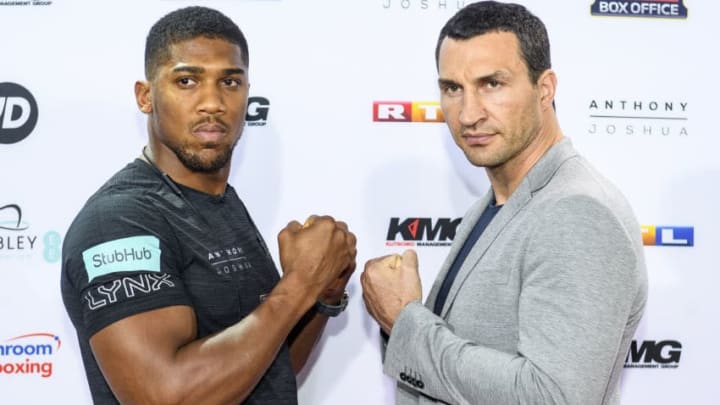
(322,64)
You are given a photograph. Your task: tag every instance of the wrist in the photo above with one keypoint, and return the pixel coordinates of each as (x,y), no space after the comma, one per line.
(332,307)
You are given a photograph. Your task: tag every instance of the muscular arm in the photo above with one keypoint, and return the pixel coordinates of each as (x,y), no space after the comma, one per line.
(153,357)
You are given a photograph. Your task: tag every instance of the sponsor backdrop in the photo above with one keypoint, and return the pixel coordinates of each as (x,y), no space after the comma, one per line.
(344,119)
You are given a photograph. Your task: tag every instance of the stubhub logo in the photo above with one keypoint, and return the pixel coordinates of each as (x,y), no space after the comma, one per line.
(407,111)
(653,235)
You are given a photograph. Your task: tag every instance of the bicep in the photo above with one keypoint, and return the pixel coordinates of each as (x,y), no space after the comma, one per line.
(140,348)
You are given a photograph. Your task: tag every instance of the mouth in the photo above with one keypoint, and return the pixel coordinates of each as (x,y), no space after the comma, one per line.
(478,138)
(210,132)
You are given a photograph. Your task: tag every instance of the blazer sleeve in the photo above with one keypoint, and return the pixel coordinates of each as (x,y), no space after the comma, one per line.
(579,281)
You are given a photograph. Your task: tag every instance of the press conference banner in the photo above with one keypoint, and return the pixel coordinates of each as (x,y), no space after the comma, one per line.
(344,119)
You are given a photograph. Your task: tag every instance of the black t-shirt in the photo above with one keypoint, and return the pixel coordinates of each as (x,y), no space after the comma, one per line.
(142,242)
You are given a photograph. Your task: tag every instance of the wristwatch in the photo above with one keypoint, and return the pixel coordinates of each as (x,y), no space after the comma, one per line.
(332,310)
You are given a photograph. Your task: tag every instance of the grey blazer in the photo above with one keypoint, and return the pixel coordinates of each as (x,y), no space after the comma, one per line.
(545,306)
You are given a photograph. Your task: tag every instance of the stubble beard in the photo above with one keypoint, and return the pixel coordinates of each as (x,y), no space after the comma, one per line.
(193,161)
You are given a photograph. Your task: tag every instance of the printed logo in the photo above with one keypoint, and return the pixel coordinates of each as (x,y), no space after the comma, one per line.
(16,242)
(653,354)
(25,3)
(424,4)
(422,231)
(125,288)
(257,111)
(18,113)
(638,118)
(135,253)
(407,111)
(640,8)
(653,235)
(29,354)
(229,260)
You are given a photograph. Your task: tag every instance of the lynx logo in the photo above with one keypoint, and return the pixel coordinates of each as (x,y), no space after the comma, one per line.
(652,354)
(422,231)
(667,235)
(257,111)
(643,8)
(18,113)
(126,288)
(407,111)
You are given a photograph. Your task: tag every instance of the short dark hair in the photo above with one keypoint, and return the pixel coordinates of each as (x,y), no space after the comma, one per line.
(186,24)
(491,16)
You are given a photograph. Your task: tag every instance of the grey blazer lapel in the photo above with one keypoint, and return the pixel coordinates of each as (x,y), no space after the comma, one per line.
(536,179)
(468,221)
(519,199)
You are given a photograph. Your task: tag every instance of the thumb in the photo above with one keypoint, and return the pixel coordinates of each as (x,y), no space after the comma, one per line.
(410,259)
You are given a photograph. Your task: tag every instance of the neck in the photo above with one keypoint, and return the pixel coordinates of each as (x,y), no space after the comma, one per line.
(213,183)
(506,178)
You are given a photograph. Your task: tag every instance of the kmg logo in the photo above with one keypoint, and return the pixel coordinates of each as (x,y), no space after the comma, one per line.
(422,231)
(653,235)
(407,111)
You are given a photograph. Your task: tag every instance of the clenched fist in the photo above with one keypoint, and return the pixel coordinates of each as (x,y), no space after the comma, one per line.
(390,283)
(320,255)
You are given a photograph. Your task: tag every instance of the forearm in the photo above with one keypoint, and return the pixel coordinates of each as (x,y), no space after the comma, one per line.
(232,362)
(173,367)
(423,348)
(304,336)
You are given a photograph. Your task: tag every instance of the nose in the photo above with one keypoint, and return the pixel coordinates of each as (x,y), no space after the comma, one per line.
(212,101)
(472,110)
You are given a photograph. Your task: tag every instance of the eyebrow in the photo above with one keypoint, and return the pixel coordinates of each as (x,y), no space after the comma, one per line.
(498,74)
(198,70)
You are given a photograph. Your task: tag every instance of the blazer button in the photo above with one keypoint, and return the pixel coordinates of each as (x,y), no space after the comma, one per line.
(420,384)
(403,377)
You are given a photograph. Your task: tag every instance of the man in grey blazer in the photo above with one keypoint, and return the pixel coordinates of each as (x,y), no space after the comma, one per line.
(545,283)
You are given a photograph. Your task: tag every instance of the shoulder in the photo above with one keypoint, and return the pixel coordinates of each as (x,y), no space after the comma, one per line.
(129,204)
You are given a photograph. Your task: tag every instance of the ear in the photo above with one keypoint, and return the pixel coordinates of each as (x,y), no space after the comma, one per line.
(547,85)
(143,96)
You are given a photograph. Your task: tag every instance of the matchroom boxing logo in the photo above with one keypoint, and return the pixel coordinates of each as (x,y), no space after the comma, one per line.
(29,354)
(640,8)
(18,113)
(407,111)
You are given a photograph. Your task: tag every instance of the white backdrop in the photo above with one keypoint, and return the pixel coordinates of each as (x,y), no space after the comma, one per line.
(636,94)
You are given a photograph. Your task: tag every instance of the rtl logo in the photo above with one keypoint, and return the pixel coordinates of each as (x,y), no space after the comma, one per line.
(18,113)
(257,111)
(407,111)
(654,354)
(653,235)
(422,231)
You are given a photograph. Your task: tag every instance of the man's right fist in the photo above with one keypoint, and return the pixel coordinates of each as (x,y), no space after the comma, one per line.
(317,253)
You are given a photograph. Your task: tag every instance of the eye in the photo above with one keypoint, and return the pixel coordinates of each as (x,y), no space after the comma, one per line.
(492,83)
(450,88)
(186,82)
(230,82)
